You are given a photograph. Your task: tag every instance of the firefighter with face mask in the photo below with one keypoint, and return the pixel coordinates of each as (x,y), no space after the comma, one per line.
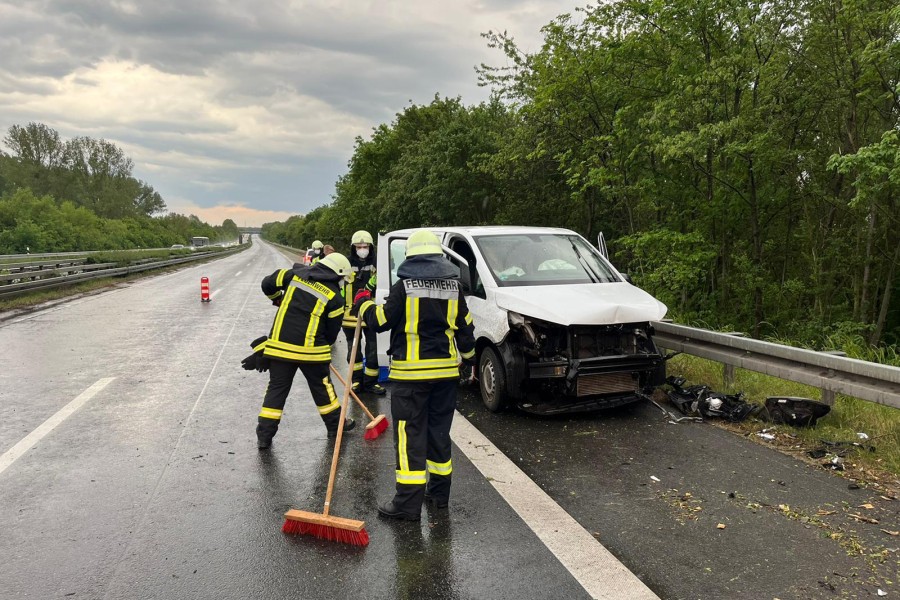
(310,310)
(362,265)
(318,252)
(431,333)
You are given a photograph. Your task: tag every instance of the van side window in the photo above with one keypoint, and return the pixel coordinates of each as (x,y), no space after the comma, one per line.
(397,254)
(461,247)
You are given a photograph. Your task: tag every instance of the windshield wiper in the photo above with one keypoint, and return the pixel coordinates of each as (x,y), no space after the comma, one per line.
(584,264)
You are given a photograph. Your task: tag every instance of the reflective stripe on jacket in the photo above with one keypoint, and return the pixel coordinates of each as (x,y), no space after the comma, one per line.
(431,328)
(362,277)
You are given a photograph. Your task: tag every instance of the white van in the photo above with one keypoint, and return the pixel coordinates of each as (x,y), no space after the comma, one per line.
(558,328)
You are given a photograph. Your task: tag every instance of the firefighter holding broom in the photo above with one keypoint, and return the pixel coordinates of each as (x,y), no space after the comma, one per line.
(431,332)
(308,321)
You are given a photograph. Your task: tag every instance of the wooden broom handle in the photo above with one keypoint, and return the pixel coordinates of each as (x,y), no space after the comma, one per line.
(352,393)
(340,431)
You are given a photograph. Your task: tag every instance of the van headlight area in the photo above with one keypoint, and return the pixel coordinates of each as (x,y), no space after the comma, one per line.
(590,366)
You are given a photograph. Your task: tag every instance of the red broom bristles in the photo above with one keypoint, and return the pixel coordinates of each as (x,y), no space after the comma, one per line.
(324,532)
(376,430)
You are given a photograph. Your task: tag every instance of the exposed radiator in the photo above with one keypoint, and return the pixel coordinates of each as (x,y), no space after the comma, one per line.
(605,383)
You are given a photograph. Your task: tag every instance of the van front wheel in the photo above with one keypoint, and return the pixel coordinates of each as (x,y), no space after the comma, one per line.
(492,381)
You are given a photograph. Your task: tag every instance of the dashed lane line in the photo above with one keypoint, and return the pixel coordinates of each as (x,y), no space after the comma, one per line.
(10,456)
(590,563)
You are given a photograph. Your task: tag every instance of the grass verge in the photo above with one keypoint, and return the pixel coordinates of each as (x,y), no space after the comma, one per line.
(848,417)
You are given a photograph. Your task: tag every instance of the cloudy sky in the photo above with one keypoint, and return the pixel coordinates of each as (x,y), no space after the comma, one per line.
(245,109)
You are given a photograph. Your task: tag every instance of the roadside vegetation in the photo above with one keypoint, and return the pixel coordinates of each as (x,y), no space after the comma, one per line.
(74,195)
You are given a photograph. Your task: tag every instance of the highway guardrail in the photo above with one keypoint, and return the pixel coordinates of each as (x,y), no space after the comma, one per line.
(19,278)
(832,373)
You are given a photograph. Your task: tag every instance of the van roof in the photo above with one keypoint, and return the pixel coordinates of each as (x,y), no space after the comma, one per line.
(480,230)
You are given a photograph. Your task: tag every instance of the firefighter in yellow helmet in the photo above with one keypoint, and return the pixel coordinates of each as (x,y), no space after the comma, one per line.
(310,310)
(318,252)
(431,333)
(362,265)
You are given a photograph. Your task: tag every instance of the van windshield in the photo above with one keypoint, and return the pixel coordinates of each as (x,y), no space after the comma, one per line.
(543,259)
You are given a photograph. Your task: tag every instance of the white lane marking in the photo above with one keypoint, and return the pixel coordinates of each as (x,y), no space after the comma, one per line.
(213,295)
(10,456)
(238,273)
(593,566)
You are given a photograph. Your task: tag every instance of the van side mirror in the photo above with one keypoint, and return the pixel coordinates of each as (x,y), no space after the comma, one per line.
(627,278)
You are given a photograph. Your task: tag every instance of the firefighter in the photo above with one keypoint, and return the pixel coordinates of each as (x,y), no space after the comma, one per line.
(310,309)
(362,264)
(431,332)
(318,249)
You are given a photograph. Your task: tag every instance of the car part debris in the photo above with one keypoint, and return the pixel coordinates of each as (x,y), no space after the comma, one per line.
(797,412)
(700,400)
(671,417)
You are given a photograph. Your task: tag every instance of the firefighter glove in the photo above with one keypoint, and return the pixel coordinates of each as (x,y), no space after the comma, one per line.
(256,362)
(361,298)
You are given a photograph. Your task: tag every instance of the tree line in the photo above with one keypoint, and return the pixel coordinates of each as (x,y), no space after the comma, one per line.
(741,158)
(80,194)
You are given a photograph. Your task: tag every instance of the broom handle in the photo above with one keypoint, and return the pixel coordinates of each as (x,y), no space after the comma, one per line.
(340,431)
(352,393)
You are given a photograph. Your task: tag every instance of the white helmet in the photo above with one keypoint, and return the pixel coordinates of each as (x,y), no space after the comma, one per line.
(423,241)
(361,237)
(337,263)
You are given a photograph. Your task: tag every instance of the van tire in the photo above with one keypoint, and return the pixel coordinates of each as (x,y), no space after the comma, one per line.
(492,381)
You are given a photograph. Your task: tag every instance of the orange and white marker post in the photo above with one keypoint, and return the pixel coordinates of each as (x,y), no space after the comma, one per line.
(204,289)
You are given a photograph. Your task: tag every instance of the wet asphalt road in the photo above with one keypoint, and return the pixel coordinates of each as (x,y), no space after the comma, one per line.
(154,488)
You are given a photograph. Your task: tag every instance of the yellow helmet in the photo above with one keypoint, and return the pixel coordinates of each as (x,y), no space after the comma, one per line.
(421,242)
(317,244)
(361,237)
(337,263)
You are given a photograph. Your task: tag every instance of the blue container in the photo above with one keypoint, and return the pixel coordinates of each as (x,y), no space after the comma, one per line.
(383,374)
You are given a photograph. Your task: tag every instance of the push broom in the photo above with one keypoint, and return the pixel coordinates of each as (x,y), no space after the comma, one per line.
(377,425)
(322,525)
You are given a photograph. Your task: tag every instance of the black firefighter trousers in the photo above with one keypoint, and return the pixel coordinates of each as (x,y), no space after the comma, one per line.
(281,377)
(422,412)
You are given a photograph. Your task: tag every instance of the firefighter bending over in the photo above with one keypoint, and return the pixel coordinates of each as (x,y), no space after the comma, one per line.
(308,321)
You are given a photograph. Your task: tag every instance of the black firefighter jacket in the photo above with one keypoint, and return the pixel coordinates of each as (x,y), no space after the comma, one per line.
(426,313)
(363,277)
(309,316)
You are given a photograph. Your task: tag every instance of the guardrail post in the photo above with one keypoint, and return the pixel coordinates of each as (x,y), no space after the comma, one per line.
(828,395)
(728,375)
(728,370)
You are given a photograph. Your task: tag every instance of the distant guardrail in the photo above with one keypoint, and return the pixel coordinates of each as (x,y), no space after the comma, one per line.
(832,373)
(22,277)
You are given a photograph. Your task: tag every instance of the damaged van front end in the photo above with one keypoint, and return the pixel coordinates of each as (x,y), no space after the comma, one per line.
(579,367)
(580,347)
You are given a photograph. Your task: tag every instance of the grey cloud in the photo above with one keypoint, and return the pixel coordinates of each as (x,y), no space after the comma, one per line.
(364,65)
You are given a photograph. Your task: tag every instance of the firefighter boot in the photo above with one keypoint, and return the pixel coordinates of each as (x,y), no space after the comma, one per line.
(437,492)
(391,511)
(265,431)
(332,428)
